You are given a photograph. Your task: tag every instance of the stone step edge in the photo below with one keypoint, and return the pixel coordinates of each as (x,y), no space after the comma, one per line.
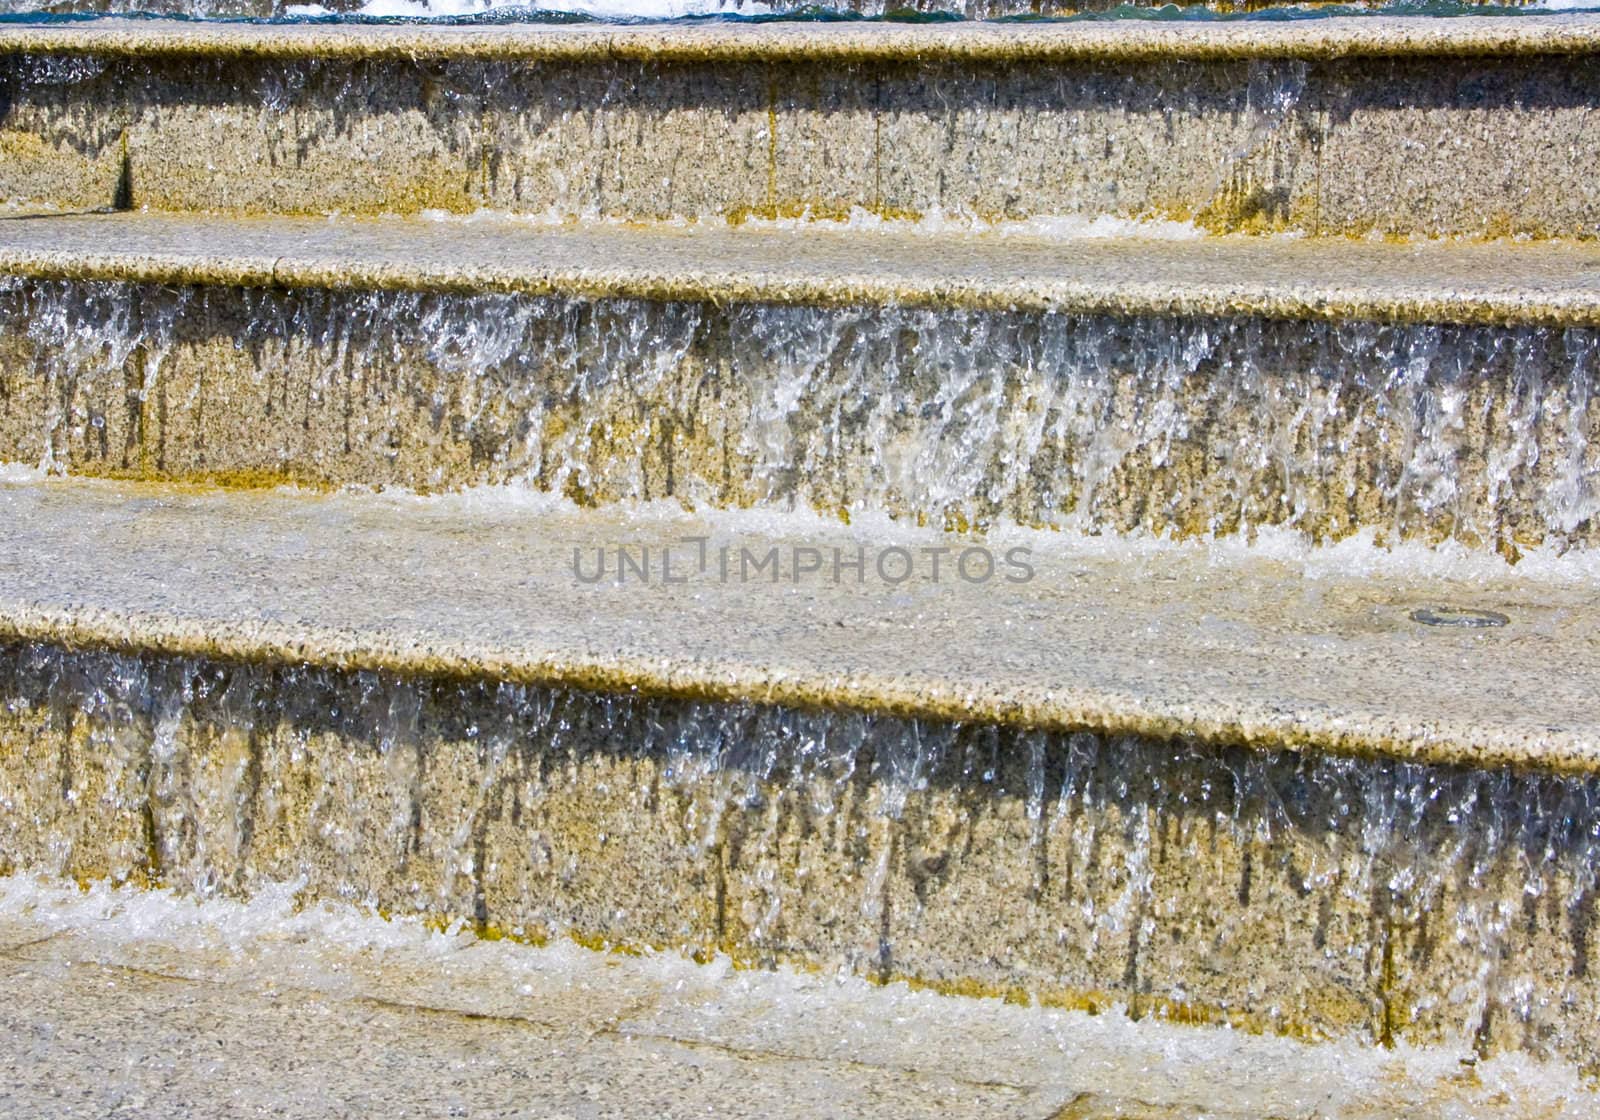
(1095,41)
(1554,284)
(331,608)
(288,645)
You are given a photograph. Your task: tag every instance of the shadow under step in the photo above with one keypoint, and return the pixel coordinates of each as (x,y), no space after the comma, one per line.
(1206,783)
(1393,125)
(1197,386)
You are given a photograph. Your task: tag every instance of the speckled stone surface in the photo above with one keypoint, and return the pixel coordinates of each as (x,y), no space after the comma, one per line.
(1269,904)
(820,41)
(1175,644)
(1400,127)
(1187,387)
(97,1040)
(325,691)
(1547,284)
(111,1014)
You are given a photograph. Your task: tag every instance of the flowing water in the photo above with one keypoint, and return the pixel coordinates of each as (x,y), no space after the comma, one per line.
(1091,422)
(1281,891)
(1290,892)
(483,1029)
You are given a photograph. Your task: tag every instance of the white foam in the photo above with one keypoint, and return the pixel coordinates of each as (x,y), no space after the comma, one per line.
(936,223)
(21,473)
(271,943)
(1359,556)
(600,9)
(1061,227)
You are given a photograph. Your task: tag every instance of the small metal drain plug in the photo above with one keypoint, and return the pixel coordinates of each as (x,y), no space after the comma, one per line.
(1458,616)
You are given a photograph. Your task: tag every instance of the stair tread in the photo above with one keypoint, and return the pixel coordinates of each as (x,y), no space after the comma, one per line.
(1228,644)
(132,978)
(1552,283)
(1331,37)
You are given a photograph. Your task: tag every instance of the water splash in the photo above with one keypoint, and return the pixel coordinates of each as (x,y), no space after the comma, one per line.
(1367,899)
(1193,426)
(230,953)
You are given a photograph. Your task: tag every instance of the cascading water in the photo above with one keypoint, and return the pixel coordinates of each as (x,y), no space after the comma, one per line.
(1192,426)
(1384,899)
(1277,889)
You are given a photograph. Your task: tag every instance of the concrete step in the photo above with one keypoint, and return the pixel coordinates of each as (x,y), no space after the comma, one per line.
(1184,643)
(1395,125)
(1205,783)
(1420,392)
(144,997)
(673,9)
(1537,284)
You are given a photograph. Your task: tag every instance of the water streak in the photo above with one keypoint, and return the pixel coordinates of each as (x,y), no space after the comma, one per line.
(1297,892)
(1188,425)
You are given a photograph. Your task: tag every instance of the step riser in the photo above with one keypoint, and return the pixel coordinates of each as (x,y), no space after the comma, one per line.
(1343,898)
(1487,435)
(1411,146)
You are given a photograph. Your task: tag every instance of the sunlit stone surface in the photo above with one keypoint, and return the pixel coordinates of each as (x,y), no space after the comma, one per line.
(138,1000)
(1224,714)
(1442,902)
(1187,424)
(1320,897)
(1383,126)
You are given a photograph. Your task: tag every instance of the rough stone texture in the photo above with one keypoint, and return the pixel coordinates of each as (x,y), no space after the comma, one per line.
(716,41)
(94,1040)
(1368,901)
(969,9)
(1138,419)
(125,999)
(1209,791)
(1170,642)
(1502,283)
(724,123)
